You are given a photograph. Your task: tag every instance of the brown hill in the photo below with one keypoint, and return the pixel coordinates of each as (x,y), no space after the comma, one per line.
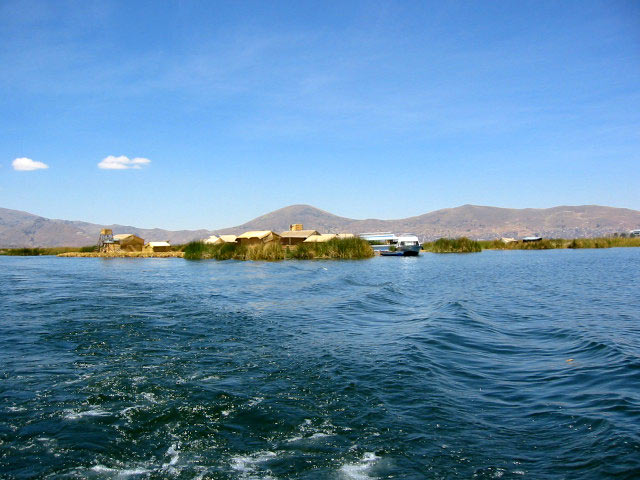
(474,221)
(22,229)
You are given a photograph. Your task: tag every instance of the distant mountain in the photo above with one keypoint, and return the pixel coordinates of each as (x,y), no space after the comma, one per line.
(473,221)
(22,229)
(279,220)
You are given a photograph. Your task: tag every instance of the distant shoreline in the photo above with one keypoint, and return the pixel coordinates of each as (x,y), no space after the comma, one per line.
(457,245)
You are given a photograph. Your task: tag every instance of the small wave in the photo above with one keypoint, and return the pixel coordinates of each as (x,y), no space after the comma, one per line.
(17,409)
(119,473)
(247,465)
(174,455)
(150,397)
(255,401)
(70,415)
(362,469)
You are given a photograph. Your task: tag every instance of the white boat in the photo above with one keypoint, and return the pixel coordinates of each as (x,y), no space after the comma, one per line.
(408,244)
(390,244)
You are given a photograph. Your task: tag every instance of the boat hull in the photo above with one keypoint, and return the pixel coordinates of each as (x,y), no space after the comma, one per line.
(409,250)
(402,252)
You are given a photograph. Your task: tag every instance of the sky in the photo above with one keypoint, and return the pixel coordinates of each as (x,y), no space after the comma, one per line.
(206,114)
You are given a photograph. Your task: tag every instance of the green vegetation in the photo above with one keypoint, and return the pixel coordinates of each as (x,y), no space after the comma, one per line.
(553,243)
(195,250)
(337,248)
(464,245)
(452,245)
(604,242)
(35,252)
(340,248)
(544,244)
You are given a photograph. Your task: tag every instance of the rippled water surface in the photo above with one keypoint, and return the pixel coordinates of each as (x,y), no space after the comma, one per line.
(491,365)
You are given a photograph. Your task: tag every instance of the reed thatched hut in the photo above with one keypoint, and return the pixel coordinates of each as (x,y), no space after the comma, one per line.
(296,237)
(129,242)
(218,239)
(258,237)
(320,238)
(155,247)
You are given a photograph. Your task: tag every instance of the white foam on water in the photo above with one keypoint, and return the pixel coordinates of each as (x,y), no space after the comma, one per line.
(361,469)
(119,473)
(247,465)
(173,453)
(124,411)
(308,432)
(16,409)
(97,412)
(149,397)
(255,401)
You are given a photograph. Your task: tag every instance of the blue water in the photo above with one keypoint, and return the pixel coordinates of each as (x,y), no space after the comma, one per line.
(516,364)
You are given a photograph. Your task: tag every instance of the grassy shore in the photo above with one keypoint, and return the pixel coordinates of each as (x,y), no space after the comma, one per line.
(123,254)
(452,245)
(34,252)
(337,248)
(553,243)
(464,245)
(346,249)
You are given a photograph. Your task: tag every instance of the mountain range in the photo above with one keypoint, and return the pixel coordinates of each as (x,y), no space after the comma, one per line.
(22,229)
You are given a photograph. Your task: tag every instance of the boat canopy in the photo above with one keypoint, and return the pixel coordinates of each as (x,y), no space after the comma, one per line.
(378,237)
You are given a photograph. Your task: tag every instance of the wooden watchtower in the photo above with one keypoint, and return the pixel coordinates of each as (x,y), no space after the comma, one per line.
(105,239)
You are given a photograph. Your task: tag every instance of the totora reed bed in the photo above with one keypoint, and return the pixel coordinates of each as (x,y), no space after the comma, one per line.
(347,248)
(343,248)
(465,245)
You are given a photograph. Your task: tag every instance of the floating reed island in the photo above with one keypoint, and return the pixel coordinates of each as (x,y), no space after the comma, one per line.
(466,245)
(300,244)
(335,248)
(295,243)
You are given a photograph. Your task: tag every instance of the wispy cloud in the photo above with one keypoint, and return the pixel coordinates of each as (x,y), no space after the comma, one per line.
(122,163)
(25,164)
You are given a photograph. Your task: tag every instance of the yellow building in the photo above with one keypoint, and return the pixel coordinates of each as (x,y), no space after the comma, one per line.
(154,247)
(129,242)
(320,238)
(296,237)
(258,237)
(216,240)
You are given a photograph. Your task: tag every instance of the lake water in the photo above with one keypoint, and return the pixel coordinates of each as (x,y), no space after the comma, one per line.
(518,364)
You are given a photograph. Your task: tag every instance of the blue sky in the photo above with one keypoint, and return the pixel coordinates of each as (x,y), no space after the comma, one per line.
(364,109)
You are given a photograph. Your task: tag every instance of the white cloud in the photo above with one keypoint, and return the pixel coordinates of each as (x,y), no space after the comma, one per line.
(122,163)
(26,164)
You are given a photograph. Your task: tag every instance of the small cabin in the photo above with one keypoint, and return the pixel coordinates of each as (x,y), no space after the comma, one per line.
(155,247)
(296,237)
(258,237)
(219,239)
(320,238)
(129,242)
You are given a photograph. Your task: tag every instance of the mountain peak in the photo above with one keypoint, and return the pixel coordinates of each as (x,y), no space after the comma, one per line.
(22,229)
